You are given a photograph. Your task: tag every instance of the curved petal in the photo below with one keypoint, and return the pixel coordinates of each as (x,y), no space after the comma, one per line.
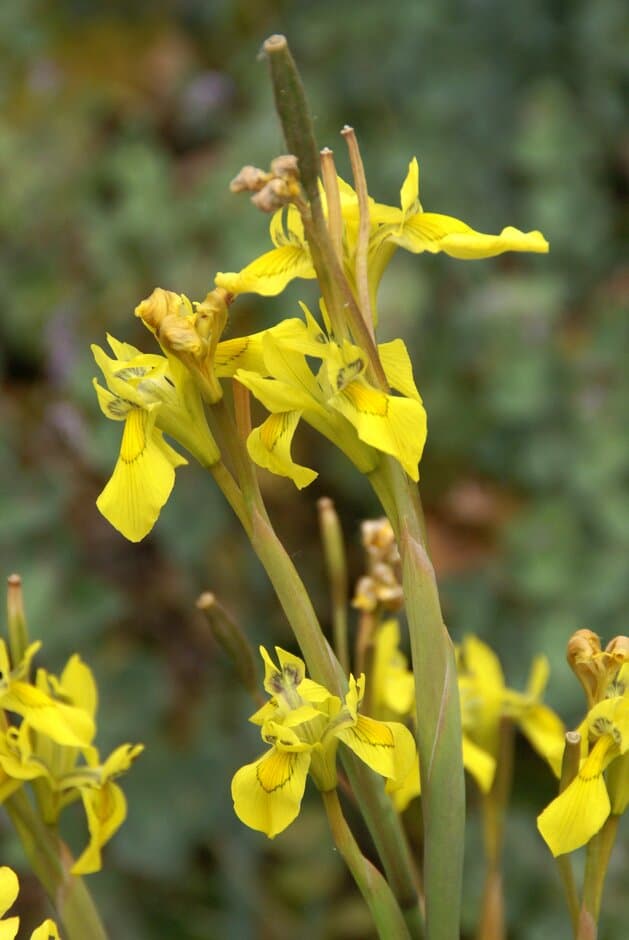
(388,747)
(269,446)
(479,763)
(46,931)
(269,274)
(433,232)
(398,368)
(106,810)
(267,794)
(142,480)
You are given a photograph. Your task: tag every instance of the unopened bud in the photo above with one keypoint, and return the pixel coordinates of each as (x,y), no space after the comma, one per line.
(18,630)
(231,639)
(178,333)
(161,303)
(212,315)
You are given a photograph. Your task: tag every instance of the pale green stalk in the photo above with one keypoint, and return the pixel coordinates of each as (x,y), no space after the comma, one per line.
(383,907)
(569,770)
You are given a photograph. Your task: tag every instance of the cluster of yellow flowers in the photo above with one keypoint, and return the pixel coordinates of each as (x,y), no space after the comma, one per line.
(50,746)
(163,394)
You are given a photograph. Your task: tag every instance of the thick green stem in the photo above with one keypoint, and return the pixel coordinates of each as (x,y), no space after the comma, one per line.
(51,862)
(373,887)
(438,711)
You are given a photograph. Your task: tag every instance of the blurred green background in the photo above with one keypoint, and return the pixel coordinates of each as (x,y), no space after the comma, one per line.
(120,130)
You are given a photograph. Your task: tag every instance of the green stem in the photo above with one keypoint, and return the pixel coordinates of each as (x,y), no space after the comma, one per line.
(49,859)
(373,887)
(16,618)
(438,710)
(597,857)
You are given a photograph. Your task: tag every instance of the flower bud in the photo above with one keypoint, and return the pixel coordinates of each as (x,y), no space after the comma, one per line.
(156,306)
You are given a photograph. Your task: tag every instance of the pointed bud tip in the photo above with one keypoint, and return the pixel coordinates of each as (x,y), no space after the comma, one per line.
(206,601)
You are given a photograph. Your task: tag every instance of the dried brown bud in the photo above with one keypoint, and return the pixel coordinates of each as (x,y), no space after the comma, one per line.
(286,166)
(618,649)
(250,179)
(274,195)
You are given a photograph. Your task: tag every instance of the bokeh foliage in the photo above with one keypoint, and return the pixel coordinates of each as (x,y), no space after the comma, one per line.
(119,133)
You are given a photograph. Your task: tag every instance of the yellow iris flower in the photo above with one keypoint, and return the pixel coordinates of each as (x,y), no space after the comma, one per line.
(577,814)
(407,227)
(52,748)
(337,400)
(152,395)
(303,723)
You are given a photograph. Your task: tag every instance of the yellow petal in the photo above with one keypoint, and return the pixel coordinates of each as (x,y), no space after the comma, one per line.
(267,794)
(389,423)
(269,446)
(78,683)
(269,274)
(388,747)
(479,763)
(578,813)
(398,368)
(403,792)
(46,931)
(546,733)
(433,232)
(409,194)
(142,479)
(618,784)
(63,723)
(9,889)
(246,352)
(106,810)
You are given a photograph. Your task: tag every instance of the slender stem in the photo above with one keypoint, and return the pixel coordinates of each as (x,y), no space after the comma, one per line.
(362,243)
(373,887)
(333,199)
(51,862)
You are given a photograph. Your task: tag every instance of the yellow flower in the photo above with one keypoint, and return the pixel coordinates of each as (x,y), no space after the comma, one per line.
(338,401)
(152,395)
(63,766)
(485,699)
(407,227)
(304,723)
(9,889)
(581,809)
